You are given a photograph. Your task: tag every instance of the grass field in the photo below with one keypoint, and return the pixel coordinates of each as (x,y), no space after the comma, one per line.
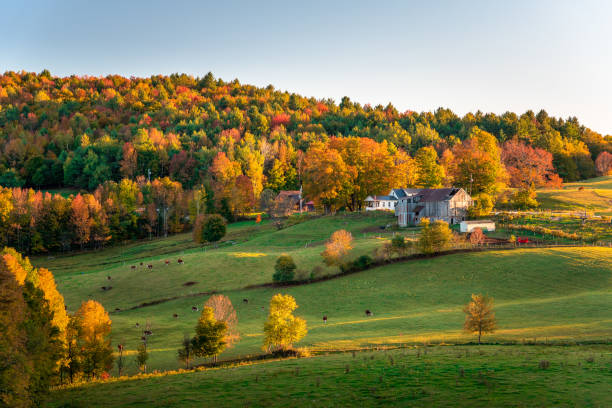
(544,296)
(476,376)
(595,196)
(560,293)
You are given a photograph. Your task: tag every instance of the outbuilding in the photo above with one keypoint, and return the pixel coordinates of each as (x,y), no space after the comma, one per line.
(484,225)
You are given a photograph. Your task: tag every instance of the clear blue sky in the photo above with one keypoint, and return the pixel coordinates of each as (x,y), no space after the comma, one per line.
(489,55)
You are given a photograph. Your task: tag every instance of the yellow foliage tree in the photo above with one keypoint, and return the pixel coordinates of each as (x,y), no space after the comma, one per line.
(479,316)
(435,237)
(337,248)
(94,322)
(282,328)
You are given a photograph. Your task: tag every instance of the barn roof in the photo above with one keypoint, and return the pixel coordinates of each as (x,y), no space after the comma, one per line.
(428,194)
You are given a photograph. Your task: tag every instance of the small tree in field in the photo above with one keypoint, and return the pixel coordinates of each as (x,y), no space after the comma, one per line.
(209,228)
(282,328)
(435,237)
(224,311)
(337,248)
(185,353)
(142,356)
(209,340)
(479,316)
(284,269)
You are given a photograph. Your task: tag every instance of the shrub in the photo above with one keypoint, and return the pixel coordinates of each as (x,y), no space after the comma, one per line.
(337,248)
(284,269)
(209,228)
(544,364)
(302,275)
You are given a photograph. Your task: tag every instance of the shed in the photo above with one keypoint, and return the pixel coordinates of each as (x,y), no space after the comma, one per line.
(469,226)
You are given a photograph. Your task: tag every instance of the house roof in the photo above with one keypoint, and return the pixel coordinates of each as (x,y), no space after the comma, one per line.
(428,194)
(381,197)
(289,194)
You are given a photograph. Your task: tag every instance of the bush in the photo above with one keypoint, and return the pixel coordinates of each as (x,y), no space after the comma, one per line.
(302,275)
(359,264)
(209,228)
(284,269)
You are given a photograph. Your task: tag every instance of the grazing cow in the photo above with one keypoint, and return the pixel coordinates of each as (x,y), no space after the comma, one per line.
(167,262)
(245,300)
(108,277)
(324,319)
(105,288)
(143,338)
(150,266)
(141,264)
(117,309)
(137,324)
(194,308)
(148,332)
(368,313)
(180,261)
(175,316)
(133,266)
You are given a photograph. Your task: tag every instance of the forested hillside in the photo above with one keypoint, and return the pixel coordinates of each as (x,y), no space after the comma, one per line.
(155,152)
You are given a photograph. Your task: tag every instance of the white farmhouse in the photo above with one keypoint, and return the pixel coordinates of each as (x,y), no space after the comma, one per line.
(469,226)
(380,202)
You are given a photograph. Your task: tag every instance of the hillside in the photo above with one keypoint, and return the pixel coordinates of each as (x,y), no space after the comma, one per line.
(592,195)
(558,294)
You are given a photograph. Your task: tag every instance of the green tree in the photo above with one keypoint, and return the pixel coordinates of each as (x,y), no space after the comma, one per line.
(185,353)
(282,328)
(209,339)
(142,356)
(430,174)
(284,269)
(209,228)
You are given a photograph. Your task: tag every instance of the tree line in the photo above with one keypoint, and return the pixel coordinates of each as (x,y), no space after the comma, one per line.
(83,131)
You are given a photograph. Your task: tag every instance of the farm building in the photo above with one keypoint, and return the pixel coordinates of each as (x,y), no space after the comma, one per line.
(446,204)
(469,226)
(294,201)
(380,202)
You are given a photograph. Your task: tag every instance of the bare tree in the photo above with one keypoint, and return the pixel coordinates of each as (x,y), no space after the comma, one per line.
(224,311)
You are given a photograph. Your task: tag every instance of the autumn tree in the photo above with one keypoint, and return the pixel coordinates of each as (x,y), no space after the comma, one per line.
(224,311)
(326,177)
(479,316)
(209,339)
(282,329)
(435,237)
(603,164)
(526,165)
(81,220)
(93,338)
(477,164)
(337,248)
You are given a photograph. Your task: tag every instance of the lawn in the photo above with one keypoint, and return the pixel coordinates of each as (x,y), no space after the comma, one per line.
(474,376)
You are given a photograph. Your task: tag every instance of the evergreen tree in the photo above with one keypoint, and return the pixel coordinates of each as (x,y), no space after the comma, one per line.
(209,339)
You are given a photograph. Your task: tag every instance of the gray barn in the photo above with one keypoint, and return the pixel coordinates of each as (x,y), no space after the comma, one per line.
(447,204)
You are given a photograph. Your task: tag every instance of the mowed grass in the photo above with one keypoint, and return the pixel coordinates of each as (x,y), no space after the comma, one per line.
(596,196)
(540,294)
(477,376)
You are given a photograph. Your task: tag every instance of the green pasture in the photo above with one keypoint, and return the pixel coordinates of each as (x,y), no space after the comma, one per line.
(474,376)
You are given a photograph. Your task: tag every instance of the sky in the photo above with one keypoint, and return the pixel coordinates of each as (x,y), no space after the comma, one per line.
(493,56)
